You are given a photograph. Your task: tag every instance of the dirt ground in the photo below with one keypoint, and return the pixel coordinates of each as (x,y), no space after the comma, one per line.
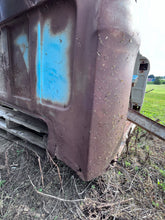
(35,188)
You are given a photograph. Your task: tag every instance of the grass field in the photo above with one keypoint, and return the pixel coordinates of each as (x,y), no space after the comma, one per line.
(154,103)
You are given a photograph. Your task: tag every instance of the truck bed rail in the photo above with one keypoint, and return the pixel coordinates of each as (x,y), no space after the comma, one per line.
(146,123)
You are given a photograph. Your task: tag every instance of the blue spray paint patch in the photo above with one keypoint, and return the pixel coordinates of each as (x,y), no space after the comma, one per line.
(134,78)
(52,65)
(22,42)
(39,62)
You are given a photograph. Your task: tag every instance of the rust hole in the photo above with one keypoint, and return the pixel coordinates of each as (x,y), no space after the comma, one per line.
(79,170)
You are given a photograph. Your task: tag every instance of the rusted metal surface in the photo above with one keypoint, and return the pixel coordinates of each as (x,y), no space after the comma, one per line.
(20,142)
(22,119)
(22,126)
(70,63)
(149,125)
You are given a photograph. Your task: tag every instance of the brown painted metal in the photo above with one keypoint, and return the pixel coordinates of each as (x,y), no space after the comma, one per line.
(87,130)
(146,123)
(12,8)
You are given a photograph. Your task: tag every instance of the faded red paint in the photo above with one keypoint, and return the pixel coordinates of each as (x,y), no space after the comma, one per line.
(87,133)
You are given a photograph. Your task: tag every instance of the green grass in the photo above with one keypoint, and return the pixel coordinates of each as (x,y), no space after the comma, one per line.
(154,103)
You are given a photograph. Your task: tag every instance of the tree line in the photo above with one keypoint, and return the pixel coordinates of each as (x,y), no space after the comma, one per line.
(158,80)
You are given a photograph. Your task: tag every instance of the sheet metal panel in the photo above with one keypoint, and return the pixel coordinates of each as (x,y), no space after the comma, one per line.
(70,63)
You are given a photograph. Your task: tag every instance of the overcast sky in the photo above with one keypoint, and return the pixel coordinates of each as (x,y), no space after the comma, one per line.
(152,29)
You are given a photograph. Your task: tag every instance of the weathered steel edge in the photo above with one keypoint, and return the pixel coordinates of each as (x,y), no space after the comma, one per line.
(146,123)
(118,45)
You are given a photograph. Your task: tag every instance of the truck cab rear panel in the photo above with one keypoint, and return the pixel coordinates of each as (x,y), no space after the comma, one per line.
(69,63)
